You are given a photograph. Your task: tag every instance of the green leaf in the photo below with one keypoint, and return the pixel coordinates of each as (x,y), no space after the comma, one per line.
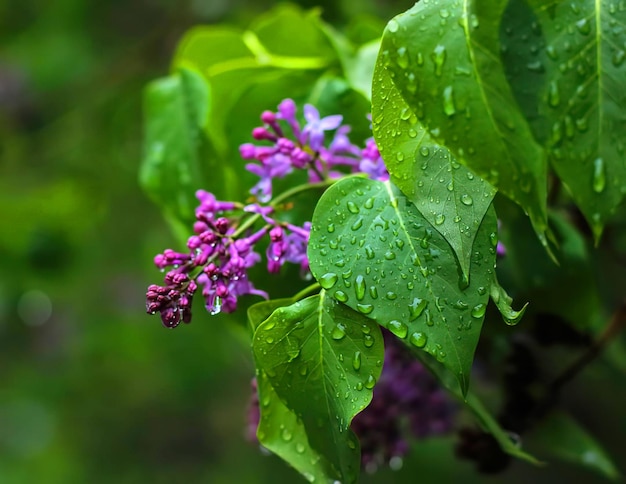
(175,111)
(322,359)
(564,438)
(444,58)
(503,302)
(374,251)
(448,195)
(259,312)
(582,100)
(282,432)
(570,289)
(289,32)
(285,41)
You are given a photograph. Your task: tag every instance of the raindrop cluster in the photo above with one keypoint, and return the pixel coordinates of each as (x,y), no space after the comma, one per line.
(222,249)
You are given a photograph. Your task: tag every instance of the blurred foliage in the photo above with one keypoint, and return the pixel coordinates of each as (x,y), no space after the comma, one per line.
(93,390)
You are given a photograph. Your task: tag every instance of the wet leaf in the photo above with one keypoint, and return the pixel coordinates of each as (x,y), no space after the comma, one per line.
(374,251)
(582,100)
(444,58)
(503,302)
(282,432)
(448,194)
(322,360)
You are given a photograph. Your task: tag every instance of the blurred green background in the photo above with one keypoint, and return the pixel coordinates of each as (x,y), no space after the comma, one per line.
(91,388)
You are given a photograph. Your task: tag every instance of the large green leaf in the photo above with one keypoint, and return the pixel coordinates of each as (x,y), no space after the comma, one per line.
(444,58)
(582,99)
(233,61)
(282,432)
(175,111)
(448,195)
(562,437)
(322,359)
(374,251)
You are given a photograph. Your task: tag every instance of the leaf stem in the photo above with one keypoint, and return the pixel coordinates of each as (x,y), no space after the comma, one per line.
(281,198)
(307,290)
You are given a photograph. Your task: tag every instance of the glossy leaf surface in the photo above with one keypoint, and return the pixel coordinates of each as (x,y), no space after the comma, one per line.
(375,252)
(583,100)
(322,360)
(448,194)
(443,56)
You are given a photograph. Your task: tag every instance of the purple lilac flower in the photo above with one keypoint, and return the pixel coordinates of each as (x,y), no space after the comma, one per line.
(315,127)
(217,261)
(296,147)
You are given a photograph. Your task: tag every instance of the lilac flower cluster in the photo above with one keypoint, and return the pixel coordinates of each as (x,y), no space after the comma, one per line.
(221,252)
(407,402)
(302,147)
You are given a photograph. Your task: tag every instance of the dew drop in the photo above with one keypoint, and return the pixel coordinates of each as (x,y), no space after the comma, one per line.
(554,96)
(424,151)
(369,252)
(352,207)
(373,292)
(493,238)
(368,341)
(448,101)
(339,332)
(402,59)
(418,339)
(618,57)
(359,287)
(478,311)
(440,218)
(358,223)
(390,255)
(299,448)
(583,26)
(439,58)
(330,228)
(393,26)
(391,295)
(364,308)
(369,203)
(398,328)
(466,199)
(599,176)
(341,296)
(370,382)
(328,280)
(416,308)
(286,435)
(400,156)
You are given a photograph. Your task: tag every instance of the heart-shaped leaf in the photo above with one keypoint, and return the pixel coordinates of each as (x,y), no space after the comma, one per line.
(322,359)
(374,251)
(444,58)
(448,194)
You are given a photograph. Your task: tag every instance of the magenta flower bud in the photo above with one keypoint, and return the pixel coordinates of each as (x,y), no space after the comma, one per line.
(222,224)
(247,151)
(263,134)
(268,117)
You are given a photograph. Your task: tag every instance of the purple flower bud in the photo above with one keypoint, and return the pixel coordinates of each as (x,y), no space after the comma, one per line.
(263,134)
